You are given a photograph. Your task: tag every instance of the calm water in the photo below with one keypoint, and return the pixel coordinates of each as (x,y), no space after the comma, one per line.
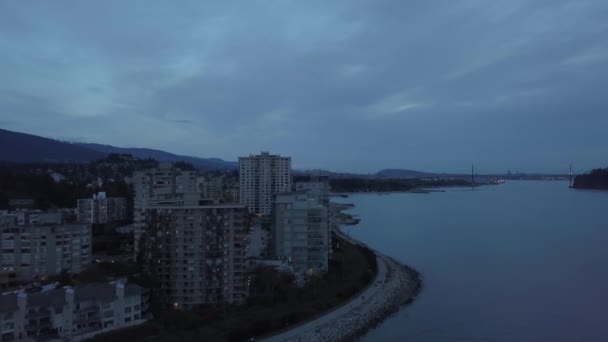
(523,261)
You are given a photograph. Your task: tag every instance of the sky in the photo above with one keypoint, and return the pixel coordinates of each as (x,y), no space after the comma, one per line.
(343,85)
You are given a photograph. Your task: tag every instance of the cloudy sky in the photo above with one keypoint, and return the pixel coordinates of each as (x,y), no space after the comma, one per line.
(344,85)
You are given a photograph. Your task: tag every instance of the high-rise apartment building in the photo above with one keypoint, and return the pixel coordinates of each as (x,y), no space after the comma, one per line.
(261,177)
(197,252)
(101,209)
(300,232)
(44,249)
(318,188)
(159,186)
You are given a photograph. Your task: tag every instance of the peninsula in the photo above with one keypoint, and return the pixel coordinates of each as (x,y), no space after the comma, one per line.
(595,179)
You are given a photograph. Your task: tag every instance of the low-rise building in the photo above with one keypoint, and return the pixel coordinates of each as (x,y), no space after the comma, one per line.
(71,313)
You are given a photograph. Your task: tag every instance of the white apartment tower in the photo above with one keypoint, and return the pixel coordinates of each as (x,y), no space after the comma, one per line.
(261,177)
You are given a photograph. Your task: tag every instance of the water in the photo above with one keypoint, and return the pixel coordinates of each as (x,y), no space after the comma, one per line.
(522,261)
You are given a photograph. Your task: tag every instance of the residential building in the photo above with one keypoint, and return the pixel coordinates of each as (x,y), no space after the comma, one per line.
(233,193)
(9,278)
(257,242)
(26,217)
(300,232)
(71,314)
(318,188)
(154,186)
(164,185)
(101,209)
(261,177)
(21,203)
(210,187)
(43,249)
(196,252)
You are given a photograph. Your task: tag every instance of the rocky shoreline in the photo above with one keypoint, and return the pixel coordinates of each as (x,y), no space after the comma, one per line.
(400,288)
(395,286)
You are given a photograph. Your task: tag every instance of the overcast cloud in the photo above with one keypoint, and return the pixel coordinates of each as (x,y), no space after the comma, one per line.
(343,85)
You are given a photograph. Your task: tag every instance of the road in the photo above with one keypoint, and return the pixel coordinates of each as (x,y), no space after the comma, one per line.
(339,312)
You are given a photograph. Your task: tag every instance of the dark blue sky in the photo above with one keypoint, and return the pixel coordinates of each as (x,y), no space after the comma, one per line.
(344,85)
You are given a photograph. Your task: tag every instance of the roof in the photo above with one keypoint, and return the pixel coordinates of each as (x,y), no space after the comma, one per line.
(56,298)
(53,298)
(96,291)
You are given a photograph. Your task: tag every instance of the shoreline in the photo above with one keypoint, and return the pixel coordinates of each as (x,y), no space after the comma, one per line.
(396,285)
(401,287)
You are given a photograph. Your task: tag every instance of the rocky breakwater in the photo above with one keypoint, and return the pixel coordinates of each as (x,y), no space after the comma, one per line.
(399,287)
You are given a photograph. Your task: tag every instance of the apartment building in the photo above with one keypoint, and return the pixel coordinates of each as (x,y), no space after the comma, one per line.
(197,252)
(101,209)
(159,186)
(164,185)
(210,187)
(300,232)
(43,249)
(262,176)
(9,278)
(318,188)
(34,217)
(71,314)
(233,192)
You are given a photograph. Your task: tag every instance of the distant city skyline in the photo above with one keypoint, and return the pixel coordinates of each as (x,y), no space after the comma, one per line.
(343,86)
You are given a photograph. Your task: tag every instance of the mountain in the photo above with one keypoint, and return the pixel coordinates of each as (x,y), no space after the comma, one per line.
(162,156)
(26,148)
(19,147)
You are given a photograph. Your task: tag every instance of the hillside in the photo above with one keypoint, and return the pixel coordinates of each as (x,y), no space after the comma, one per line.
(162,156)
(19,147)
(26,148)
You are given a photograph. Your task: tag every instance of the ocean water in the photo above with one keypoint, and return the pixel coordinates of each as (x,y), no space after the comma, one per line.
(522,261)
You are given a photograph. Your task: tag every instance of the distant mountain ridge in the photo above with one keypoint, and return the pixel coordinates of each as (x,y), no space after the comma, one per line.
(19,147)
(27,148)
(162,156)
